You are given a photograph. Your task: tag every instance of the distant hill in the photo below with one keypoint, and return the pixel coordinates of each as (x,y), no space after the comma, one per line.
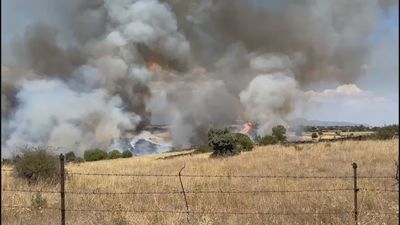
(305,122)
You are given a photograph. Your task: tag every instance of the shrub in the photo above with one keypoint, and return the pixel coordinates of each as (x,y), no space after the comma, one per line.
(278,132)
(268,140)
(314,135)
(320,133)
(222,142)
(243,142)
(6,162)
(15,158)
(37,163)
(95,155)
(38,201)
(127,154)
(114,154)
(70,157)
(387,132)
(120,220)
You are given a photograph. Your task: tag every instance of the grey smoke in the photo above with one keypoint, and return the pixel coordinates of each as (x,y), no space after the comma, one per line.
(79,78)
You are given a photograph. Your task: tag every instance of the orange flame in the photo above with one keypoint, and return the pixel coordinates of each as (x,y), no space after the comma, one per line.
(153,67)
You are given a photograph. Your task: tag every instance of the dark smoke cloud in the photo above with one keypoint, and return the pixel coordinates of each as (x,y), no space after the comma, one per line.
(329,35)
(100,69)
(40,52)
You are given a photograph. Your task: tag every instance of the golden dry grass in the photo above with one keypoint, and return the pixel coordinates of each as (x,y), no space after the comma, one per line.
(321,159)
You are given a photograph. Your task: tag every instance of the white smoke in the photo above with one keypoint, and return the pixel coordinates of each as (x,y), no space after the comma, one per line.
(189,107)
(269,100)
(149,22)
(51,113)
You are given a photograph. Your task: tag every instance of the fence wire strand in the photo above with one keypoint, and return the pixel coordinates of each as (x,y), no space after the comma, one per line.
(230,176)
(31,191)
(378,190)
(180,192)
(366,213)
(182,212)
(223,176)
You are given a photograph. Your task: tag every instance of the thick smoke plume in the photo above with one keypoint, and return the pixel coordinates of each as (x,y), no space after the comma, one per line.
(106,69)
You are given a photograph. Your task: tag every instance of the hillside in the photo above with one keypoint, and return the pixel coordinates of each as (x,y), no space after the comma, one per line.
(251,200)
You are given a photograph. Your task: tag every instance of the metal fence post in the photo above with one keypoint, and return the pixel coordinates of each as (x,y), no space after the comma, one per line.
(62,189)
(184,195)
(355,192)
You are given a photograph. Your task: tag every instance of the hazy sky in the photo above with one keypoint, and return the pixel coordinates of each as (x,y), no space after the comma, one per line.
(373,100)
(379,104)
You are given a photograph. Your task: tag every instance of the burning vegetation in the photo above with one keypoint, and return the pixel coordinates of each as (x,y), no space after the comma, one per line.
(103,71)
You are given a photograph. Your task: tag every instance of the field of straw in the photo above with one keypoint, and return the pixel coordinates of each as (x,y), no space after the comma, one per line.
(374,158)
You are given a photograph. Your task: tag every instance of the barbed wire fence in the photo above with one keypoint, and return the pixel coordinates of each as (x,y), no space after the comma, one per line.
(354,211)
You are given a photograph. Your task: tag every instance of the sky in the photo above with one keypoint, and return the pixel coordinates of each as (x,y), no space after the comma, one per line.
(377,100)
(372,100)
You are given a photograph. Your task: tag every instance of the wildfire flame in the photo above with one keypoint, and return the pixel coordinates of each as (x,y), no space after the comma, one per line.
(247,128)
(153,67)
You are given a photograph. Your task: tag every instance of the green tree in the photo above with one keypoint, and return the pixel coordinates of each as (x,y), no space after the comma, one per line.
(268,140)
(70,157)
(222,142)
(95,155)
(243,142)
(127,154)
(387,132)
(279,133)
(114,154)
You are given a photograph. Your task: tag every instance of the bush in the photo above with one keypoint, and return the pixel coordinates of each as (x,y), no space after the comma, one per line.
(314,135)
(278,132)
(38,201)
(120,220)
(268,140)
(114,154)
(222,142)
(6,162)
(127,154)
(387,132)
(70,157)
(37,163)
(95,155)
(243,142)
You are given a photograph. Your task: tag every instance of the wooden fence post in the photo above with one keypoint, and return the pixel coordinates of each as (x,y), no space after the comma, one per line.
(355,193)
(62,189)
(184,195)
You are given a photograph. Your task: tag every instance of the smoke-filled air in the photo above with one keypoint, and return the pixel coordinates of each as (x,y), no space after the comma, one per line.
(108,70)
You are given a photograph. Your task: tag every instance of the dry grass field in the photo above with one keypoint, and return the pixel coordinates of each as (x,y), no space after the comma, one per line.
(374,158)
